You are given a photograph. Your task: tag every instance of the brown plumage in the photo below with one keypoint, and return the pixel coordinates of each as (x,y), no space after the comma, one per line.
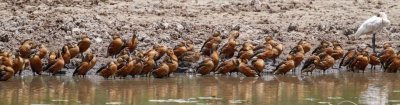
(180,49)
(327,61)
(265,53)
(7,60)
(205,67)
(258,65)
(246,69)
(189,45)
(172,61)
(310,64)
(229,49)
(93,61)
(393,65)
(246,52)
(386,54)
(271,46)
(207,46)
(137,69)
(84,44)
(161,50)
(338,50)
(82,69)
(190,57)
(4,53)
(161,71)
(56,66)
(52,57)
(151,53)
(285,66)
(66,55)
(19,64)
(132,44)
(277,50)
(87,63)
(6,72)
(298,56)
(25,48)
(306,45)
(126,69)
(42,51)
(149,65)
(269,40)
(73,50)
(227,66)
(320,49)
(360,62)
(350,55)
(115,46)
(123,56)
(214,56)
(36,64)
(374,60)
(108,70)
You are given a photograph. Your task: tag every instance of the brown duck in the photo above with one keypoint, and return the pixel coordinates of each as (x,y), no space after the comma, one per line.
(26,48)
(310,64)
(161,71)
(42,51)
(85,65)
(374,60)
(246,52)
(360,62)
(132,44)
(327,61)
(73,50)
(258,65)
(229,49)
(84,44)
(285,66)
(180,49)
(19,64)
(393,65)
(108,70)
(298,56)
(246,69)
(227,66)
(207,46)
(205,67)
(6,73)
(56,66)
(115,46)
(36,64)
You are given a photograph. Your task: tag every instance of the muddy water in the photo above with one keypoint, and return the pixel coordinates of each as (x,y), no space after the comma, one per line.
(337,88)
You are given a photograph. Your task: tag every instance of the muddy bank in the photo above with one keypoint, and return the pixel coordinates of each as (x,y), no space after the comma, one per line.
(59,22)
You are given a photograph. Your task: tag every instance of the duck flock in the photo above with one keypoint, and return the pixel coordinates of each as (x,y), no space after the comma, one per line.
(213,58)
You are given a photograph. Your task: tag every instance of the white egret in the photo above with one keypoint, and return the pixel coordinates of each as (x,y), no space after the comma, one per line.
(372,26)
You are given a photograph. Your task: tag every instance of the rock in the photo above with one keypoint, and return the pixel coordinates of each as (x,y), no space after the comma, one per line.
(98,40)
(164,26)
(68,37)
(236,27)
(179,27)
(75,29)
(292,28)
(4,38)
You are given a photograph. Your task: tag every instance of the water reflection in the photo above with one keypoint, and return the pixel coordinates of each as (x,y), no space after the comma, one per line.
(343,88)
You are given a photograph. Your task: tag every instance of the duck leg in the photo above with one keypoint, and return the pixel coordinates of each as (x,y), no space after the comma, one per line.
(373,42)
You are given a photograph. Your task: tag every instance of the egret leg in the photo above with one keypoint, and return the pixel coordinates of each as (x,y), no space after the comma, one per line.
(373,42)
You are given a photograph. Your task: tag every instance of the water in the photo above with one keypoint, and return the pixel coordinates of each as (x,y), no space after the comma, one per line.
(337,88)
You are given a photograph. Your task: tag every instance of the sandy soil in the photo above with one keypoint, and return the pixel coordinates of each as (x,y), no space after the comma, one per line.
(57,22)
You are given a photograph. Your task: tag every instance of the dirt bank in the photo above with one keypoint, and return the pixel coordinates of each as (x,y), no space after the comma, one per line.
(58,22)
